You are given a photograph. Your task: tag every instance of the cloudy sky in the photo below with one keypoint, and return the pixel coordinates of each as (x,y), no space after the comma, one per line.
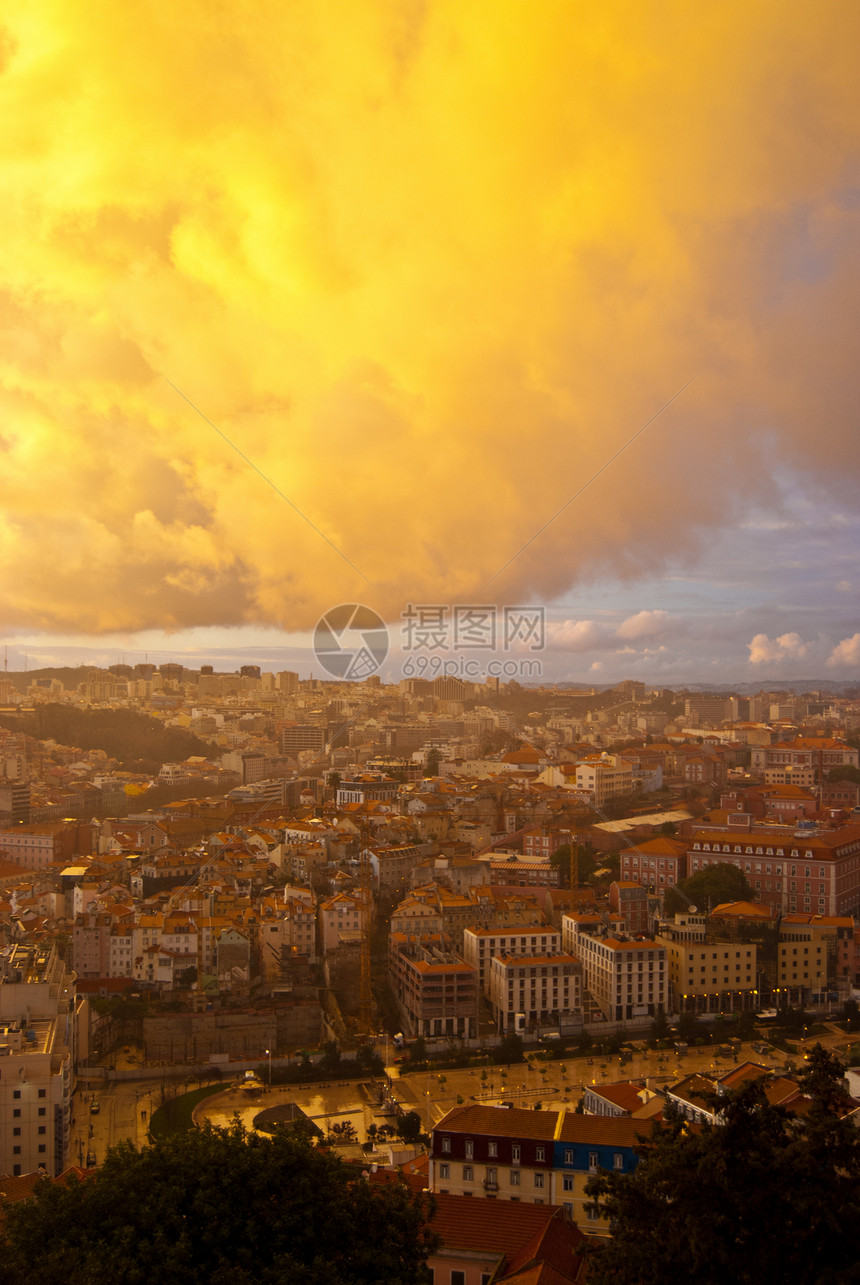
(435,302)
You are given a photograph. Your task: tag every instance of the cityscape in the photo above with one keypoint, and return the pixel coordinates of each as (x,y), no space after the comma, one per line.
(429,644)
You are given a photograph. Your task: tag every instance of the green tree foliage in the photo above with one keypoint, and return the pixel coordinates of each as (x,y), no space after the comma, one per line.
(659,1028)
(762,1196)
(668,829)
(409,1126)
(844,773)
(511,1049)
(709,887)
(587,863)
(137,740)
(432,768)
(220,1207)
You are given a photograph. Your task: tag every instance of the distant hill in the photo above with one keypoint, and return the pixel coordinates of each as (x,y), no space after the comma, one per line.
(138,741)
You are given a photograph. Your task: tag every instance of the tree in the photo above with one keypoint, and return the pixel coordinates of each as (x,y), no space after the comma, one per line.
(669,829)
(511,1048)
(659,1029)
(709,887)
(330,1060)
(844,773)
(222,1207)
(432,767)
(759,1196)
(368,1061)
(418,1051)
(586,863)
(409,1126)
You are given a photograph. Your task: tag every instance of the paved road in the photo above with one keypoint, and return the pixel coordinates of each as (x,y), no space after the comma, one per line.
(554,1084)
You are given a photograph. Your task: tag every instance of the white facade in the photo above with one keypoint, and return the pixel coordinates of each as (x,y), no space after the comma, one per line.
(38,1029)
(480,945)
(529,991)
(627,976)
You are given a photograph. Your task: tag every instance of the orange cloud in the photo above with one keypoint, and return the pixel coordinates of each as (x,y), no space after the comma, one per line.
(427,272)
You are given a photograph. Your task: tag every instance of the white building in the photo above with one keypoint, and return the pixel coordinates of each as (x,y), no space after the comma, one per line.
(39,1016)
(480,945)
(531,991)
(627,976)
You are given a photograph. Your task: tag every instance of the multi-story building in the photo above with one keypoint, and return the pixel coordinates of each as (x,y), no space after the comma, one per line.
(529,992)
(39,1017)
(820,753)
(657,863)
(707,976)
(540,1157)
(436,992)
(480,945)
(301,738)
(37,846)
(524,874)
(816,957)
(627,976)
(340,920)
(604,777)
(805,871)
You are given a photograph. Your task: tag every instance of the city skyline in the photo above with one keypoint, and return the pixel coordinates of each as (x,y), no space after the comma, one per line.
(555,310)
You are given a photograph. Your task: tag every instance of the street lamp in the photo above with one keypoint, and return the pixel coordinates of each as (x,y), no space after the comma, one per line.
(269,1055)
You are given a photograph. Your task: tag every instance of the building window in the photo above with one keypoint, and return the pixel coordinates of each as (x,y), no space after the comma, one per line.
(567,1182)
(446,1144)
(539,1181)
(41,1147)
(591,1214)
(515,1177)
(492,1149)
(458,1278)
(42,1093)
(42,1128)
(42,1111)
(592,1162)
(17,1113)
(568,1157)
(470,1149)
(618,1160)
(468,1174)
(16,1133)
(444,1171)
(515,1151)
(540,1153)
(16,1151)
(16,1093)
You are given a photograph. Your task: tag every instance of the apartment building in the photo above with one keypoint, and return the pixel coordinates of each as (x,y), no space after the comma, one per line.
(537,1157)
(529,992)
(39,1016)
(481,945)
(627,976)
(707,976)
(816,957)
(658,863)
(436,992)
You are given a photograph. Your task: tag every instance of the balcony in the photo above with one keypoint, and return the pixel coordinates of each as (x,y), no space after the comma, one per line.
(491,1184)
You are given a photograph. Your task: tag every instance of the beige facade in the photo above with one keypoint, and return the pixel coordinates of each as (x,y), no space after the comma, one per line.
(707,976)
(531,991)
(481,945)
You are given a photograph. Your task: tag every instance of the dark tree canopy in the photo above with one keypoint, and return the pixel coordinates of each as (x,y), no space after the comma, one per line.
(218,1205)
(760,1197)
(710,887)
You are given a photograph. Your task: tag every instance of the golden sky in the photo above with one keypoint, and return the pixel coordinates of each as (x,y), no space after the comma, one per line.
(428,265)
